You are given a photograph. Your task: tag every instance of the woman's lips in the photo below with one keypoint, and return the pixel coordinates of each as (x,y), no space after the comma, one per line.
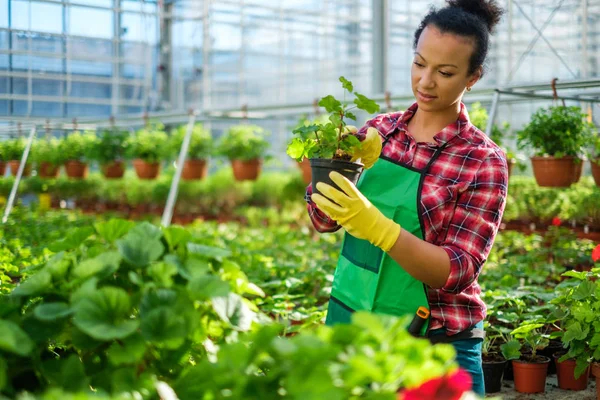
(425,97)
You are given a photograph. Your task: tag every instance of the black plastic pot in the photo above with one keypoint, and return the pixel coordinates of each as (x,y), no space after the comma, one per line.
(553,347)
(321,167)
(493,372)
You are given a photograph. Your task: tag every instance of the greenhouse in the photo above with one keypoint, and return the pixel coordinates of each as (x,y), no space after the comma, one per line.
(334,199)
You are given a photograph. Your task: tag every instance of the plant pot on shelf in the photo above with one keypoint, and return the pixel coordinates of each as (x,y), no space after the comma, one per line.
(2,168)
(48,170)
(596,170)
(565,372)
(555,172)
(321,167)
(493,372)
(246,170)
(113,170)
(194,170)
(76,169)
(578,172)
(306,170)
(530,376)
(14,167)
(146,170)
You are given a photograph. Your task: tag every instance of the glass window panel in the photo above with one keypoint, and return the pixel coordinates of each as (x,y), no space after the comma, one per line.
(226,37)
(46,109)
(139,27)
(20,86)
(135,52)
(3,61)
(20,108)
(40,17)
(3,84)
(41,64)
(90,89)
(133,71)
(26,41)
(139,6)
(99,3)
(3,13)
(79,110)
(90,22)
(90,48)
(3,107)
(47,87)
(82,67)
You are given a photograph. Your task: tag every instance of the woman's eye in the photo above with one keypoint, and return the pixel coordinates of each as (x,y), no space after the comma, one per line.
(446,74)
(418,64)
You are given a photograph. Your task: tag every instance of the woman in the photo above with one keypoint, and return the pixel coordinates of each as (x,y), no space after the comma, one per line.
(422,219)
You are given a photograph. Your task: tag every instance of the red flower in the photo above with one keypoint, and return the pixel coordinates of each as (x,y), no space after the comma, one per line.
(556,221)
(596,254)
(449,387)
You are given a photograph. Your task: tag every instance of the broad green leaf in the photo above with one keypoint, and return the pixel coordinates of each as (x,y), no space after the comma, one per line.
(58,266)
(574,274)
(523,329)
(233,310)
(346,84)
(165,327)
(208,251)
(154,299)
(67,373)
(581,366)
(162,273)
(595,342)
(74,239)
(364,103)
(350,115)
(41,331)
(336,120)
(176,236)
(113,229)
(584,290)
(85,290)
(575,332)
(52,311)
(596,355)
(104,315)
(147,230)
(296,149)
(511,350)
(3,374)
(131,350)
(35,285)
(306,131)
(103,265)
(205,287)
(14,340)
(139,250)
(331,104)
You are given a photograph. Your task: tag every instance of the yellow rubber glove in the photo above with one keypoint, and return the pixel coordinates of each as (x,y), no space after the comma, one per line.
(370,149)
(355,213)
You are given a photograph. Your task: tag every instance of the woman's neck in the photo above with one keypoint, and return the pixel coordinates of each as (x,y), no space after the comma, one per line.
(424,125)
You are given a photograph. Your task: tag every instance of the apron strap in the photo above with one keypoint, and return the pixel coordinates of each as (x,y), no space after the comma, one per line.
(472,333)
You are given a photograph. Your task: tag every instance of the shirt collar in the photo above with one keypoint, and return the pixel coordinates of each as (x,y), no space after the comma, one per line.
(459,126)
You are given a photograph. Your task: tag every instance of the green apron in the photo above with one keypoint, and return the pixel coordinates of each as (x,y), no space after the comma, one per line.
(366,278)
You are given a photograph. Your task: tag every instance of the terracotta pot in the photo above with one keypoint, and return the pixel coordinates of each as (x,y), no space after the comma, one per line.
(14,167)
(48,170)
(2,168)
(596,171)
(76,169)
(596,372)
(578,172)
(554,346)
(113,170)
(530,377)
(246,170)
(194,170)
(306,170)
(555,172)
(565,371)
(146,170)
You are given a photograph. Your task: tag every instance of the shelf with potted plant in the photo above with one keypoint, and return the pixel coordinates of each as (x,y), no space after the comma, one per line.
(148,149)
(109,152)
(246,147)
(200,149)
(329,146)
(557,135)
(75,150)
(13,151)
(46,154)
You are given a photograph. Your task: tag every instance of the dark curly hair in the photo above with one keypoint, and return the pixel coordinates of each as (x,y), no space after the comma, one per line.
(475,19)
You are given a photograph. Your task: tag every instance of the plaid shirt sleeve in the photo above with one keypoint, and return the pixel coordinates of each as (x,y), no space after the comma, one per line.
(475,223)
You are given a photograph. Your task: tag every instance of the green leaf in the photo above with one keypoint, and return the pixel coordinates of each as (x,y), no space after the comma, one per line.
(176,236)
(306,131)
(139,250)
(165,327)
(52,311)
(233,310)
(162,273)
(113,229)
(85,290)
(575,332)
(350,115)
(129,351)
(35,285)
(73,376)
(336,120)
(74,239)
(208,251)
(3,374)
(331,104)
(154,299)
(584,290)
(105,314)
(527,328)
(58,266)
(346,84)
(296,149)
(364,103)
(574,274)
(581,366)
(147,230)
(103,266)
(14,340)
(511,350)
(205,287)
(595,342)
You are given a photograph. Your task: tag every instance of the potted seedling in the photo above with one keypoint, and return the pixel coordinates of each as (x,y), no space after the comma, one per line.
(148,147)
(494,362)
(13,150)
(48,157)
(200,149)
(75,149)
(328,145)
(245,146)
(557,135)
(304,165)
(109,152)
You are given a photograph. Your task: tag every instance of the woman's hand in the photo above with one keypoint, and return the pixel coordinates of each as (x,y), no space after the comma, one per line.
(370,148)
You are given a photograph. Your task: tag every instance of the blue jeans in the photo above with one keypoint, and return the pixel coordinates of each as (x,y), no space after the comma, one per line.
(468,356)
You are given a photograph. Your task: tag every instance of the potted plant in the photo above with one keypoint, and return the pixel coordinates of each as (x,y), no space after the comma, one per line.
(147,148)
(75,149)
(304,165)
(328,146)
(13,150)
(200,149)
(109,152)
(530,369)
(557,135)
(48,157)
(245,146)
(494,362)
(594,156)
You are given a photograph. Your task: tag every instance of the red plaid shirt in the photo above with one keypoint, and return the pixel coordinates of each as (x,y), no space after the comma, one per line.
(462,203)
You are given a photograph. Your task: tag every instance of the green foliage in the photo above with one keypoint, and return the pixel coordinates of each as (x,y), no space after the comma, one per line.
(556,131)
(149,144)
(47,150)
(330,139)
(201,143)
(530,334)
(111,146)
(244,142)
(77,146)
(13,149)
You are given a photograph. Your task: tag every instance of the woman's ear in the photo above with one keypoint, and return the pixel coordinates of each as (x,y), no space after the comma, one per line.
(475,76)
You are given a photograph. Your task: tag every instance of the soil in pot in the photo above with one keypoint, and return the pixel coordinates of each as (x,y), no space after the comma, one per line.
(553,347)
(596,171)
(555,172)
(113,170)
(76,169)
(146,170)
(530,374)
(246,170)
(321,168)
(493,372)
(14,167)
(194,170)
(565,372)
(48,170)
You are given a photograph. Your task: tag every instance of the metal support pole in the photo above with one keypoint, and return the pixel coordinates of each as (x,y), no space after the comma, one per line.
(493,112)
(15,188)
(380,44)
(168,213)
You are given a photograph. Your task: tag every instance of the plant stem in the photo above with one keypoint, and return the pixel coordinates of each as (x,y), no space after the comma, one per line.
(340,129)
(317,136)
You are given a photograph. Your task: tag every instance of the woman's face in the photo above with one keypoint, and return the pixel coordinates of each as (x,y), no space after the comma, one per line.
(440,68)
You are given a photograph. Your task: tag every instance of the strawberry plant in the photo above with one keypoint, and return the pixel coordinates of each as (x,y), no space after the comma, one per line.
(201,144)
(111,146)
(244,142)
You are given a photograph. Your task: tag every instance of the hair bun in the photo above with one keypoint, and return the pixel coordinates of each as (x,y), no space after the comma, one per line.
(488,10)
